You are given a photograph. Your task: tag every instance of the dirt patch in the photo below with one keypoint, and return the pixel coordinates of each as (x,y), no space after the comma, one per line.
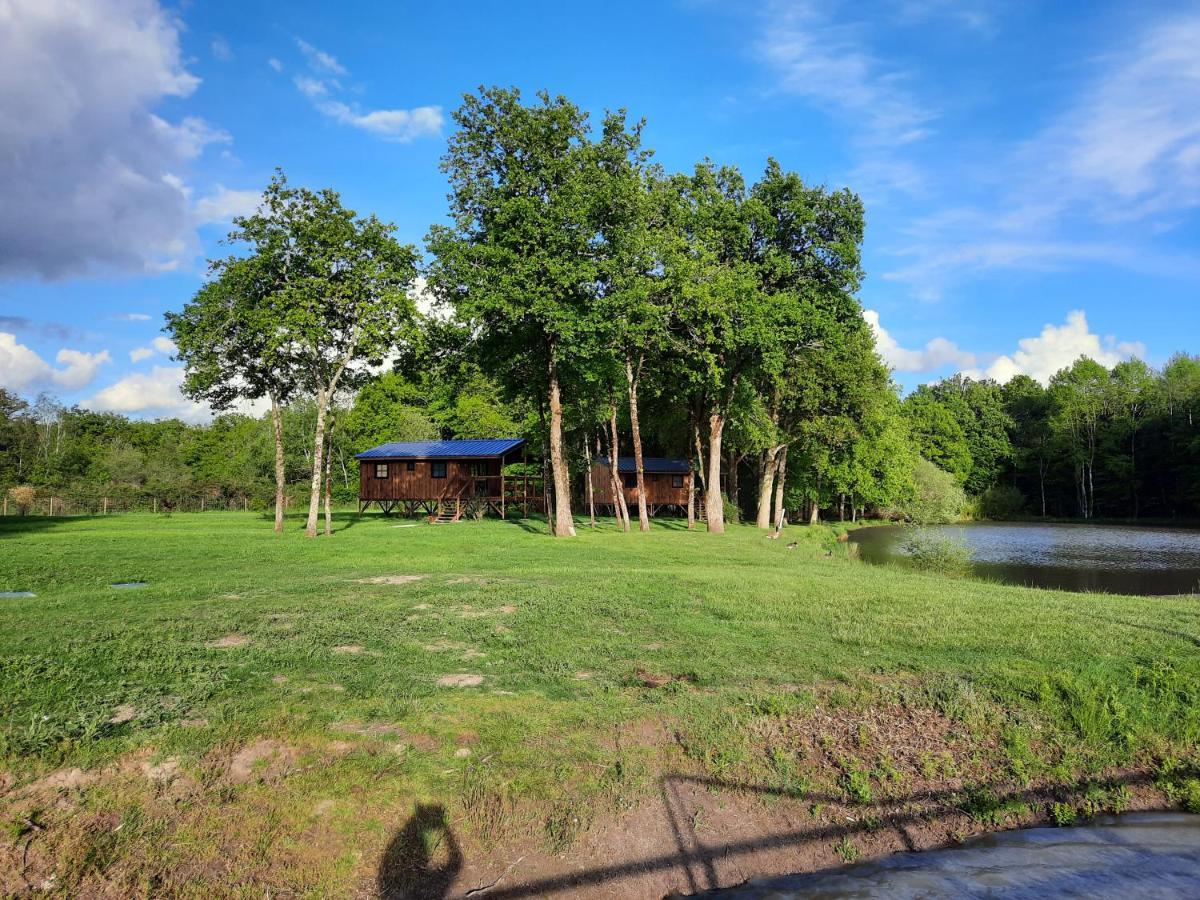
(461,679)
(122,714)
(392,579)
(443,646)
(193,723)
(421,606)
(348,648)
(62,780)
(279,679)
(162,772)
(233,639)
(647,678)
(263,761)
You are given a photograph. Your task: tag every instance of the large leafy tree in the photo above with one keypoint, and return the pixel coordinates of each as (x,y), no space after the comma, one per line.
(341,299)
(227,338)
(518,260)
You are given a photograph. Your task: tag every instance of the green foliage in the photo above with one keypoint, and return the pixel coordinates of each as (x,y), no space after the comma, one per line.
(931,550)
(936,495)
(1001,502)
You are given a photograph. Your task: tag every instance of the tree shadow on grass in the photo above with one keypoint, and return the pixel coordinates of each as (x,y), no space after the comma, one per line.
(22,526)
(422,860)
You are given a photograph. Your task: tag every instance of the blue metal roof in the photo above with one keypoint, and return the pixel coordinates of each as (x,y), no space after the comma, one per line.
(627,465)
(443,449)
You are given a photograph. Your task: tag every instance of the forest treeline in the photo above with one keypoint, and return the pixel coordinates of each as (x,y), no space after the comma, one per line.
(597,304)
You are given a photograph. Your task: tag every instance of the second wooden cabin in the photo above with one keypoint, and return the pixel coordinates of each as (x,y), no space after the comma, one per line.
(669,482)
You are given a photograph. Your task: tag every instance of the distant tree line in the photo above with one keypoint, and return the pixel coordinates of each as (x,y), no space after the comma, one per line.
(1096,442)
(599,305)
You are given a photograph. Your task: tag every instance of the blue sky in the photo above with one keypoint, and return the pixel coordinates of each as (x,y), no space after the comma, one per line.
(1031,170)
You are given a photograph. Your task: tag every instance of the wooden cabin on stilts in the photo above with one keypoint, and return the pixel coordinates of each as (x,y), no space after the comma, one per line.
(447,480)
(669,483)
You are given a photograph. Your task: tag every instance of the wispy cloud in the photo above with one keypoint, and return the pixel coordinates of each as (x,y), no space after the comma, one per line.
(320,60)
(323,87)
(822,56)
(221,50)
(133,317)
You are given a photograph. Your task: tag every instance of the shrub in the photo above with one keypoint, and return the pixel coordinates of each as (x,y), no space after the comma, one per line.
(936,551)
(1001,501)
(23,496)
(937,496)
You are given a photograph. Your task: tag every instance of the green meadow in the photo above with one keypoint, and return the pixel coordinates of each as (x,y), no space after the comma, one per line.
(487,667)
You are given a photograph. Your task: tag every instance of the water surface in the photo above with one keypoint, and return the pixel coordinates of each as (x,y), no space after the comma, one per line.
(1134,855)
(1116,558)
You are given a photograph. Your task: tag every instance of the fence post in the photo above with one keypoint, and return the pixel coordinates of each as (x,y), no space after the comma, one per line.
(155,504)
(6,504)
(106,506)
(245,504)
(201,504)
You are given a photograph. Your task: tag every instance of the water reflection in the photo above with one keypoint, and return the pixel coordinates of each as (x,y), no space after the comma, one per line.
(1115,558)
(1135,855)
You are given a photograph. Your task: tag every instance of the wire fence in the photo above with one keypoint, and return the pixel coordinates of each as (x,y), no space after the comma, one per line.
(68,503)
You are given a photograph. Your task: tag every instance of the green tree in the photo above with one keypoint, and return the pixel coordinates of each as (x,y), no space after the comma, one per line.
(937,433)
(342,297)
(227,337)
(518,261)
(1081,396)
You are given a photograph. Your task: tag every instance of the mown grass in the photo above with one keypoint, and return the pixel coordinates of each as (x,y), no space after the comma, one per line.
(575,640)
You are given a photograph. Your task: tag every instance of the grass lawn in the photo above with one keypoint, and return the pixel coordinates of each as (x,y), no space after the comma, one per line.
(272,714)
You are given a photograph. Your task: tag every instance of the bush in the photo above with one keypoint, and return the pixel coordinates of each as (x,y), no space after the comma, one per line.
(936,551)
(937,496)
(1001,501)
(23,496)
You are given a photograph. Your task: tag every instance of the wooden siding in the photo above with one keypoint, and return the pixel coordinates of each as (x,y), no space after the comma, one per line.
(659,489)
(464,478)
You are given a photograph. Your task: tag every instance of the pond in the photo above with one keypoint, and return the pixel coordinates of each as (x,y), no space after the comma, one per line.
(1119,559)
(1135,855)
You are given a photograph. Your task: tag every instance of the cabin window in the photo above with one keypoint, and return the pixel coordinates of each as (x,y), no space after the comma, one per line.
(437,470)
(479,469)
(410,466)
(381,470)
(676,481)
(630,481)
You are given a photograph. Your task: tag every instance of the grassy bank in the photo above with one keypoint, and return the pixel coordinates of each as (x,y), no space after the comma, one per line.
(373,712)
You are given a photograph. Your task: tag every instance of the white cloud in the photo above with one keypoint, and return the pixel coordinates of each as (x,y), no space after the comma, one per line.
(400,125)
(85,157)
(22,368)
(1056,348)
(224,204)
(158,394)
(937,353)
(160,345)
(220,49)
(319,59)
(134,317)
(322,88)
(275,64)
(819,57)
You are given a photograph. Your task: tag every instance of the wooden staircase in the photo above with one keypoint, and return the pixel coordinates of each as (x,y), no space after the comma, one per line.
(447,514)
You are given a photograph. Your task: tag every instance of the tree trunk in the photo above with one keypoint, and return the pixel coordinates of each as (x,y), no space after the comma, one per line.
(766,484)
(280,473)
(713,502)
(328,489)
(318,467)
(591,494)
(632,377)
(780,481)
(814,511)
(700,470)
(564,525)
(620,507)
(732,487)
(691,504)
